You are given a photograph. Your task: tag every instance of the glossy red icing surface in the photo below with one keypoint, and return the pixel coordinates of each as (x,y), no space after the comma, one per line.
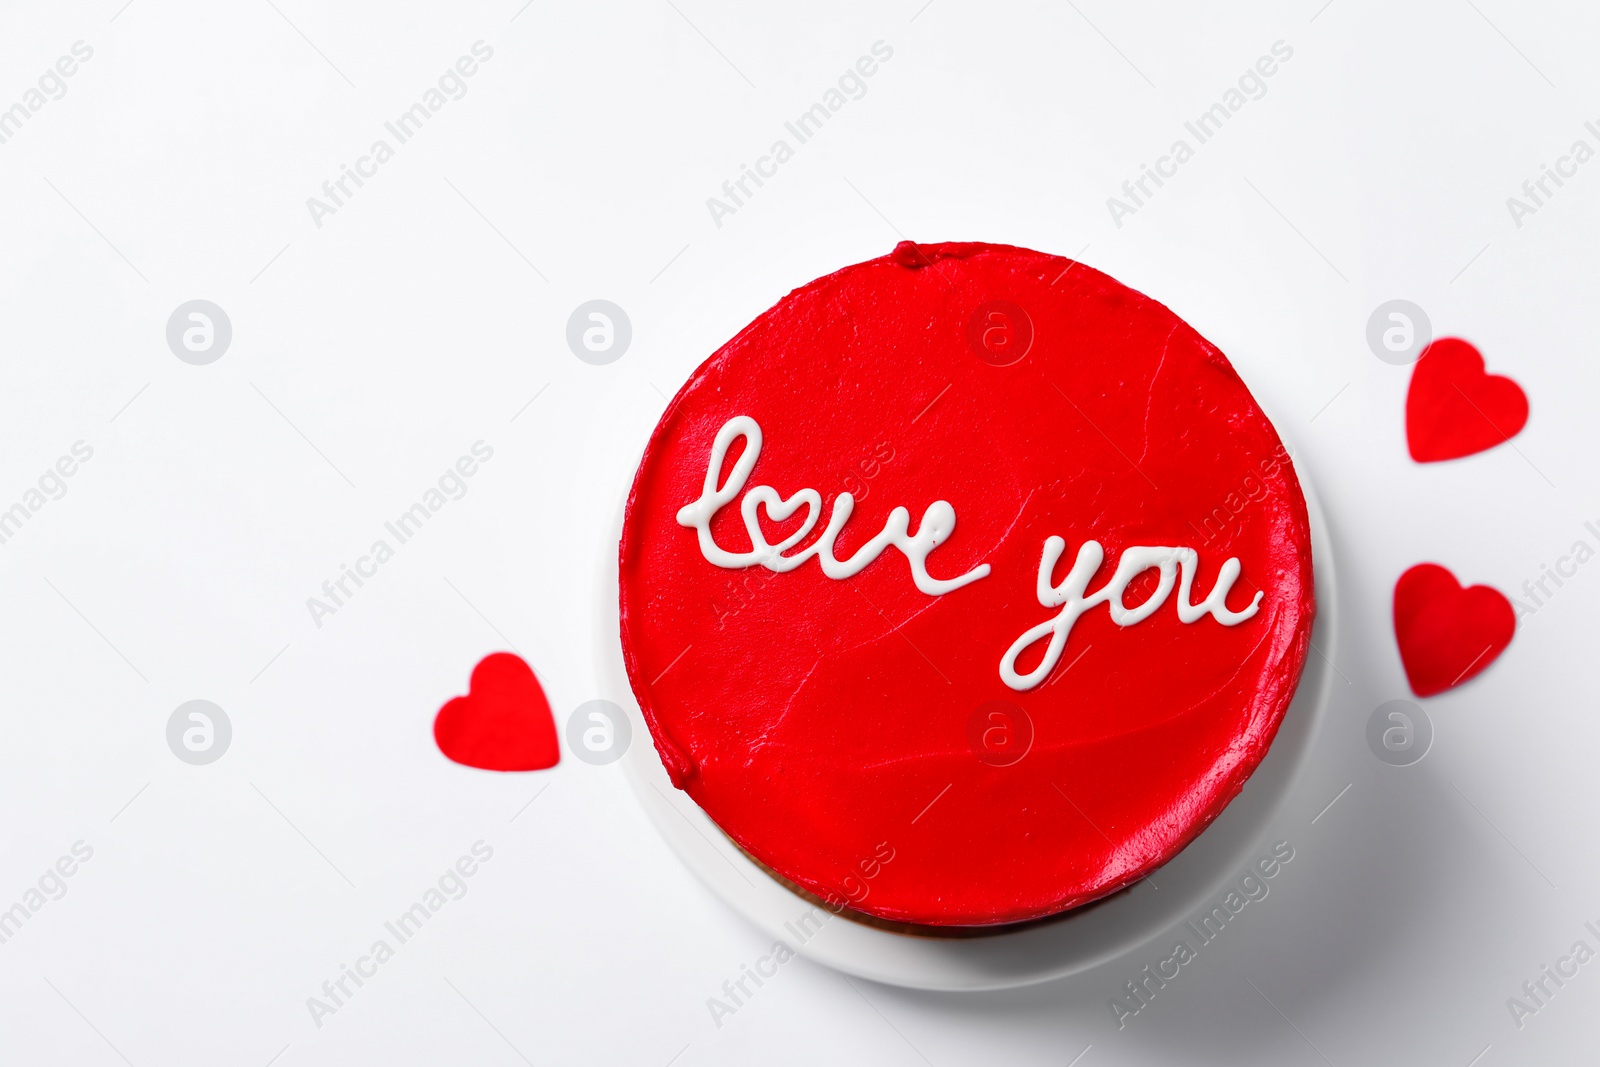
(826,723)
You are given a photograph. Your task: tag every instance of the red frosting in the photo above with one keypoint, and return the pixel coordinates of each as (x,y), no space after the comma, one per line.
(826,724)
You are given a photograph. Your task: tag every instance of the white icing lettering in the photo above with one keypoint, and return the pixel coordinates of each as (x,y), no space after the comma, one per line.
(938,522)
(1072,598)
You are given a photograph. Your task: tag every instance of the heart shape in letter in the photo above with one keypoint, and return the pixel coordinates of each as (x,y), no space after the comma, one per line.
(1454,409)
(504,721)
(1447,634)
(779,510)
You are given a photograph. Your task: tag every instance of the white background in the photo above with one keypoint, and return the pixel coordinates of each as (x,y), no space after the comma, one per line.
(371,352)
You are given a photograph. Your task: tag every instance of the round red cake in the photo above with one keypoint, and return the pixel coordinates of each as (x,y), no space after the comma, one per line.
(964,586)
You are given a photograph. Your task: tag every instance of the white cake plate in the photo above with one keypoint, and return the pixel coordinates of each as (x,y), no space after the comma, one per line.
(1094,935)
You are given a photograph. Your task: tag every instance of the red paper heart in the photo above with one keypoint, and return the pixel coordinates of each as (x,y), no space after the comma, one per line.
(1454,409)
(504,721)
(1447,634)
